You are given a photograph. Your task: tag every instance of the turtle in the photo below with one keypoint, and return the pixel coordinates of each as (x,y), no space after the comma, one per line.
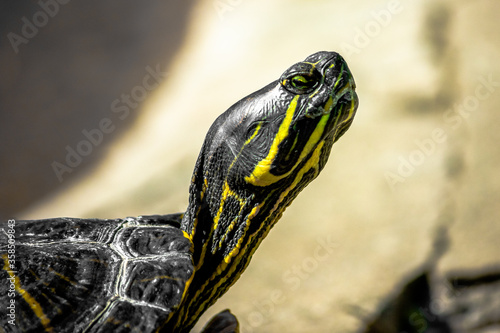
(159,273)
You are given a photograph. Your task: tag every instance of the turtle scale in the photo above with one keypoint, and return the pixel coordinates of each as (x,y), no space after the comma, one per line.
(105,275)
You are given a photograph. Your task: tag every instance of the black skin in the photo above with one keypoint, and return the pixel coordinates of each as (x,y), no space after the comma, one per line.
(227,159)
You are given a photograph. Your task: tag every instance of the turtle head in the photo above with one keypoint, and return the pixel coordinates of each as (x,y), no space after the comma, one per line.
(256,158)
(309,107)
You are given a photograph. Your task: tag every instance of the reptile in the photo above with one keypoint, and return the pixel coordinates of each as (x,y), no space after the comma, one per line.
(159,273)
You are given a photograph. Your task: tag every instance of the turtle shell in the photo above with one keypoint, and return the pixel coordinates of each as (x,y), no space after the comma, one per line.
(75,275)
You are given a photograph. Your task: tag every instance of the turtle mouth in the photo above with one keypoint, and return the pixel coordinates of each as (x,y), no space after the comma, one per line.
(342,101)
(336,94)
(342,97)
(341,81)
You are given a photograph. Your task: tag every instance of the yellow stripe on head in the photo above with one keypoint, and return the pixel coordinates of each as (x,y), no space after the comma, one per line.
(261,175)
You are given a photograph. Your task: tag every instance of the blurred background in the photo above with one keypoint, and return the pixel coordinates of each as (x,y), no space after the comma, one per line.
(104,107)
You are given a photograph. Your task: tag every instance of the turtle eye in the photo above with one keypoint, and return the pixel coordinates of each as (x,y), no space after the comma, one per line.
(300,84)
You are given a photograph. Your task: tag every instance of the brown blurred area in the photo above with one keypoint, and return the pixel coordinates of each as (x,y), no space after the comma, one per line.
(62,65)
(419,164)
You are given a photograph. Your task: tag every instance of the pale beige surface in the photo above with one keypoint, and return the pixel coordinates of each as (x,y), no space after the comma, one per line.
(410,73)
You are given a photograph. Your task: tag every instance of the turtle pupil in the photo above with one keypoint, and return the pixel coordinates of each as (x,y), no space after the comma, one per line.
(300,82)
